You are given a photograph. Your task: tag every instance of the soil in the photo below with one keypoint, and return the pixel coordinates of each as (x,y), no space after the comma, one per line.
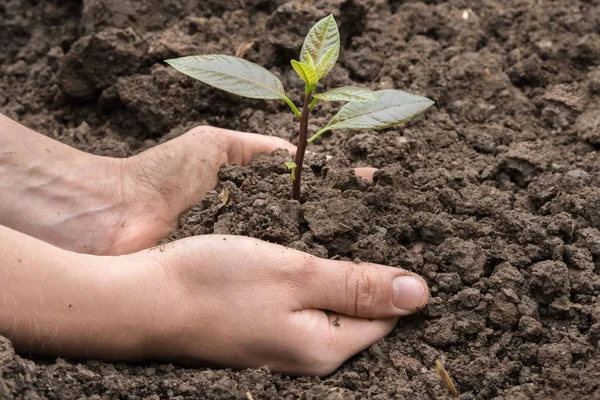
(493,195)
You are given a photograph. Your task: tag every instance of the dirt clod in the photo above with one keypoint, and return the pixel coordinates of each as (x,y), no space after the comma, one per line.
(493,195)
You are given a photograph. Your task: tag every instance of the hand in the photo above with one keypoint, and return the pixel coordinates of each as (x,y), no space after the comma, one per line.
(165,181)
(219,300)
(107,206)
(239,302)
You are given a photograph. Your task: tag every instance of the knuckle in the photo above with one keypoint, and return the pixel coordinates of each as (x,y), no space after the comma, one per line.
(208,133)
(308,267)
(361,294)
(202,129)
(297,273)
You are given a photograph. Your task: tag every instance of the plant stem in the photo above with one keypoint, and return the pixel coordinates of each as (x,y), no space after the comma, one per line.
(302,143)
(292,106)
(316,135)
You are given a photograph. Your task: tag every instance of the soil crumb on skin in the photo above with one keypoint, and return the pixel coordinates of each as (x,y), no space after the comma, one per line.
(493,195)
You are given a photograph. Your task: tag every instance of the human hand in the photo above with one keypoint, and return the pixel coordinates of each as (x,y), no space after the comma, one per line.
(107,206)
(219,300)
(239,302)
(165,181)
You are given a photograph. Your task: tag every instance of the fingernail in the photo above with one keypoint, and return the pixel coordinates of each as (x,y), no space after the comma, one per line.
(408,293)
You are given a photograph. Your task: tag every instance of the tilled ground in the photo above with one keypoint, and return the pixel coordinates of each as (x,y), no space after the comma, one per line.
(500,181)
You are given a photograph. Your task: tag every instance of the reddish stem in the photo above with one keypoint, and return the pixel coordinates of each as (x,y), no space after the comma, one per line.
(302,143)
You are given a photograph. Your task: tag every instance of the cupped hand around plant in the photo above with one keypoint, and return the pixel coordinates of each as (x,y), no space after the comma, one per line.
(221,300)
(108,206)
(239,302)
(228,301)
(165,181)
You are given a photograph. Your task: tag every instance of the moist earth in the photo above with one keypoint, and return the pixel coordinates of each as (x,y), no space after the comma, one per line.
(493,195)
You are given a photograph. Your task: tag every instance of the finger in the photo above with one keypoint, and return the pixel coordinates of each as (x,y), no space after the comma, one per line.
(351,335)
(243,146)
(361,290)
(365,173)
(347,336)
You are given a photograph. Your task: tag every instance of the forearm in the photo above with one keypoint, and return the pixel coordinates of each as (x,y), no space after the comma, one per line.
(47,188)
(65,304)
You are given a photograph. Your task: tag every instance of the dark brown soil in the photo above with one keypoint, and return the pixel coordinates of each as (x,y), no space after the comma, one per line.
(501,180)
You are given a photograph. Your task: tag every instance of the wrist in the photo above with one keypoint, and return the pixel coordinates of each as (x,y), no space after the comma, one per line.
(122,316)
(69,196)
(176,304)
(164,320)
(74,200)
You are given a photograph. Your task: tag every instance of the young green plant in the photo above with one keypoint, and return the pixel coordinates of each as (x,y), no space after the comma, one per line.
(365,109)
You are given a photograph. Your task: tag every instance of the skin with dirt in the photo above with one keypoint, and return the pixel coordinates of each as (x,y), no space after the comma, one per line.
(493,195)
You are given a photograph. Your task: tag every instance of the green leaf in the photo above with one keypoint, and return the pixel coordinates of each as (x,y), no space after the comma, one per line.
(348,93)
(306,72)
(292,167)
(311,62)
(394,107)
(231,74)
(327,62)
(322,44)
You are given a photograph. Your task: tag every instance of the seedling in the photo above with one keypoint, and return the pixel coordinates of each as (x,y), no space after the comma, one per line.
(365,109)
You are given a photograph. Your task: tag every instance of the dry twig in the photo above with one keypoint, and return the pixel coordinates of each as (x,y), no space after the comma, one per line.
(439,367)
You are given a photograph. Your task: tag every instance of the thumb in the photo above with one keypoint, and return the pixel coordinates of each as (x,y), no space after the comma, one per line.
(243,146)
(363,290)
